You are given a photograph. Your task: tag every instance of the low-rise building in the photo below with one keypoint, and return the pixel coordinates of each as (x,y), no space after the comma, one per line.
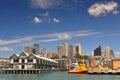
(4,63)
(116,63)
(51,54)
(31,61)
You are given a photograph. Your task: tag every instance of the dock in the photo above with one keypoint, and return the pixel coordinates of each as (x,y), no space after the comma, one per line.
(26,71)
(105,73)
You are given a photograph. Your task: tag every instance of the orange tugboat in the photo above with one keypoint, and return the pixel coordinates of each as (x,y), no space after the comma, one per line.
(81,68)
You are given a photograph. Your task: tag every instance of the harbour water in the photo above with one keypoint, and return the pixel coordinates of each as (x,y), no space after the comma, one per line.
(57,76)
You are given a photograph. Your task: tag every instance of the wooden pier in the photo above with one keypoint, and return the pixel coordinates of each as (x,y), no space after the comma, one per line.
(26,71)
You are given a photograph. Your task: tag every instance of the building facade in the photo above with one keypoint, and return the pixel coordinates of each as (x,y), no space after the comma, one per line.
(61,51)
(78,49)
(116,64)
(71,51)
(43,52)
(66,49)
(109,53)
(36,47)
(97,51)
(51,54)
(4,63)
(31,61)
(27,49)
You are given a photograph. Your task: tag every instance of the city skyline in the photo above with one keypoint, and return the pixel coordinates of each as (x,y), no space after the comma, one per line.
(50,23)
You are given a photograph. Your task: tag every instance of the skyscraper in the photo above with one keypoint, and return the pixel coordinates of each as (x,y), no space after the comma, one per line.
(66,49)
(36,47)
(27,49)
(97,51)
(33,50)
(71,51)
(61,51)
(78,49)
(43,52)
(108,52)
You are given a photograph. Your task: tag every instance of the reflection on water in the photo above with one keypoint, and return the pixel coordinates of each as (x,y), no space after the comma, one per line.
(82,75)
(57,76)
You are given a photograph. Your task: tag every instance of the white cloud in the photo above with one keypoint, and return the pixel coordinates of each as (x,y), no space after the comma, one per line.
(67,35)
(49,37)
(45,4)
(98,9)
(5,49)
(37,20)
(56,20)
(25,39)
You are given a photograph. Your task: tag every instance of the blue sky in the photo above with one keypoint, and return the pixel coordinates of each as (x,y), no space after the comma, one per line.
(53,22)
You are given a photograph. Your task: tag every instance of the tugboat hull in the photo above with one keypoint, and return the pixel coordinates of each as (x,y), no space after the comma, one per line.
(77,72)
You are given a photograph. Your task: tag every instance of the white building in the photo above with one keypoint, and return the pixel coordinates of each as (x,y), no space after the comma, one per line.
(71,51)
(31,61)
(66,49)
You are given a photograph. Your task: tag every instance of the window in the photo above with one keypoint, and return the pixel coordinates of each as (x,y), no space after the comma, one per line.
(30,60)
(23,61)
(15,60)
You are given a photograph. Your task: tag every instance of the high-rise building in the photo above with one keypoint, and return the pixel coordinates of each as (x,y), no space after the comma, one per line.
(66,49)
(92,54)
(71,51)
(27,49)
(33,50)
(43,52)
(78,49)
(97,51)
(108,52)
(36,47)
(61,51)
(51,54)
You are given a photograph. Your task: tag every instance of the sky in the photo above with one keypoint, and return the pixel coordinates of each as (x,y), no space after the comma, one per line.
(50,23)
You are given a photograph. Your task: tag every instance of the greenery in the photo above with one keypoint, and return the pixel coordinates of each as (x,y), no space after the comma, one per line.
(55,57)
(85,57)
(63,56)
(78,56)
(81,57)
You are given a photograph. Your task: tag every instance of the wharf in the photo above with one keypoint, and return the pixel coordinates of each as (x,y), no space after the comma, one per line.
(26,71)
(103,72)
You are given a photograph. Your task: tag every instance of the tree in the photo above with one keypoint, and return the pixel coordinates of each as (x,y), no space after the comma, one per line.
(85,57)
(64,56)
(78,56)
(55,57)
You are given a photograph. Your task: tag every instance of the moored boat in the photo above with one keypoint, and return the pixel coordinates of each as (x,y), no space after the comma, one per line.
(80,69)
(77,72)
